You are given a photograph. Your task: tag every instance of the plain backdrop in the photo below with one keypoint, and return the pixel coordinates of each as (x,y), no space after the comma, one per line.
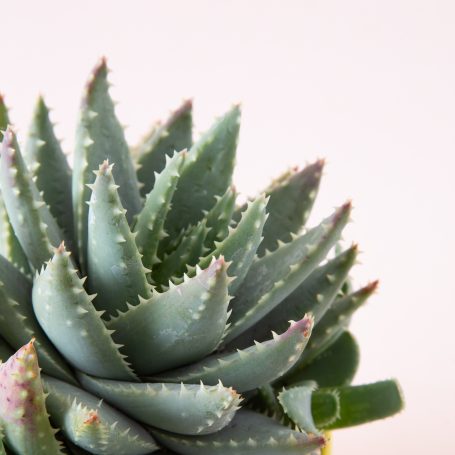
(369,85)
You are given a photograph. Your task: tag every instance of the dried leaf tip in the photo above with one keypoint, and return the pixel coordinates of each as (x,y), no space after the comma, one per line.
(93,418)
(105,168)
(61,248)
(372,287)
(305,326)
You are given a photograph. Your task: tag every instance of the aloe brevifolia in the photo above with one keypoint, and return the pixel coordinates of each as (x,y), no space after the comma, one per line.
(163,317)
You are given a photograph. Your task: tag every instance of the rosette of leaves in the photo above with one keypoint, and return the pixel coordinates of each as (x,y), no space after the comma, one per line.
(150,313)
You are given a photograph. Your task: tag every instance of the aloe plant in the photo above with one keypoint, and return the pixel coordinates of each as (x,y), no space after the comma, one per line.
(152,314)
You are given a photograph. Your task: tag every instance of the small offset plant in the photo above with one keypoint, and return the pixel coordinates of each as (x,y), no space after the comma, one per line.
(151,314)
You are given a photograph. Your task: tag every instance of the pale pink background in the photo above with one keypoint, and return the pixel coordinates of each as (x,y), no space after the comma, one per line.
(370,85)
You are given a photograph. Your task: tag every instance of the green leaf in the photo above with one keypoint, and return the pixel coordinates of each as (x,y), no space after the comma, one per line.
(162,141)
(274,276)
(10,248)
(240,246)
(249,433)
(66,314)
(33,224)
(207,172)
(296,403)
(336,366)
(18,322)
(291,200)
(94,425)
(184,257)
(314,295)
(150,221)
(48,164)
(157,333)
(363,403)
(5,351)
(115,269)
(325,408)
(2,437)
(100,137)
(23,415)
(219,217)
(251,368)
(334,323)
(180,408)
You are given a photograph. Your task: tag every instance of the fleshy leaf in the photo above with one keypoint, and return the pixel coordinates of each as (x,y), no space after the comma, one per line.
(94,425)
(251,368)
(5,351)
(333,324)
(180,408)
(291,200)
(219,217)
(274,276)
(23,413)
(150,221)
(296,403)
(240,246)
(100,137)
(18,322)
(65,311)
(115,269)
(48,164)
(163,140)
(33,224)
(336,366)
(207,172)
(325,408)
(177,327)
(10,248)
(362,403)
(184,257)
(249,433)
(314,295)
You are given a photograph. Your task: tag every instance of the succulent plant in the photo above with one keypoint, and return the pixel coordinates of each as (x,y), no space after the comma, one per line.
(202,327)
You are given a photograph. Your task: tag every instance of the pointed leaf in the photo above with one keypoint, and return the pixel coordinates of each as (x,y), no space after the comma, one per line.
(65,312)
(23,413)
(333,324)
(249,433)
(5,121)
(150,221)
(115,269)
(100,137)
(185,256)
(336,366)
(314,295)
(291,200)
(364,403)
(296,403)
(157,333)
(174,135)
(274,276)
(251,368)
(219,217)
(18,322)
(94,425)
(240,246)
(47,162)
(10,248)
(33,224)
(207,172)
(180,408)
